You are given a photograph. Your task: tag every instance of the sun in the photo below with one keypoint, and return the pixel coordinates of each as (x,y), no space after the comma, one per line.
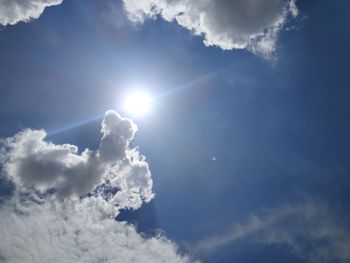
(138,103)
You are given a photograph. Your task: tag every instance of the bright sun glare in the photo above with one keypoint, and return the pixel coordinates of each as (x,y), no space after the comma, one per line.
(138,103)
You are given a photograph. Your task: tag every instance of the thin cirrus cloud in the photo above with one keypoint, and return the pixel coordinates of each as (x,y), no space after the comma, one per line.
(65,202)
(238,24)
(310,230)
(14,11)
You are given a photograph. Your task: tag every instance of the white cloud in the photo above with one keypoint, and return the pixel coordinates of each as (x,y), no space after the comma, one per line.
(117,133)
(237,24)
(75,223)
(310,229)
(33,163)
(313,231)
(76,231)
(14,11)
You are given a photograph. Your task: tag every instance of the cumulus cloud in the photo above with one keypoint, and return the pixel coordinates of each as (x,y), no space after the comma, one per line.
(14,11)
(117,133)
(228,24)
(35,164)
(64,205)
(311,230)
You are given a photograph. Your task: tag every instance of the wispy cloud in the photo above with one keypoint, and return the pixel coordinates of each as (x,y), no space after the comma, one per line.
(310,229)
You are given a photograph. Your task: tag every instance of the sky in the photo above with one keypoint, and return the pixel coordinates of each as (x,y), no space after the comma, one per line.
(242,156)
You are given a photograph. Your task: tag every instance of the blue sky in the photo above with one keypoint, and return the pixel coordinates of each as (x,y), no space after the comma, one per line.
(248,148)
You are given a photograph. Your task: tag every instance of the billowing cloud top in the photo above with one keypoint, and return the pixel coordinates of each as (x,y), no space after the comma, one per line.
(229,24)
(65,202)
(33,163)
(14,11)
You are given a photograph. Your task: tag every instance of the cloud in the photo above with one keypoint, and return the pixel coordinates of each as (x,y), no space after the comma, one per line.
(76,231)
(65,202)
(33,163)
(117,133)
(311,230)
(238,24)
(314,232)
(14,11)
